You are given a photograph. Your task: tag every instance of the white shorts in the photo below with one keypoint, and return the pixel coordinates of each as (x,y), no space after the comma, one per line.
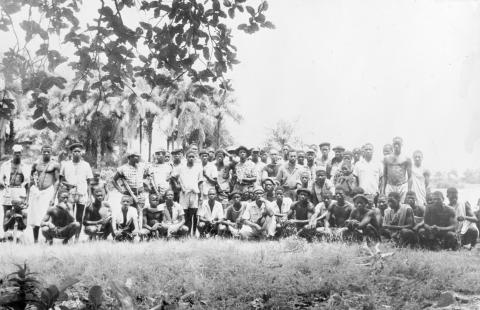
(401,189)
(38,204)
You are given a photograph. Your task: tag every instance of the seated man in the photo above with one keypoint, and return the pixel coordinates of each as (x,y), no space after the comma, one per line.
(362,223)
(152,219)
(233,215)
(98,216)
(15,222)
(280,208)
(59,222)
(401,226)
(418,211)
(337,213)
(269,187)
(210,216)
(126,220)
(173,224)
(437,231)
(466,220)
(321,209)
(254,217)
(300,214)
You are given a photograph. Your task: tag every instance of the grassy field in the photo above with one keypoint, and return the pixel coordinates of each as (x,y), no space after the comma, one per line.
(230,274)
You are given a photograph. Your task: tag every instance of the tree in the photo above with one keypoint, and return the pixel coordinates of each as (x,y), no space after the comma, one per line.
(284,133)
(174,39)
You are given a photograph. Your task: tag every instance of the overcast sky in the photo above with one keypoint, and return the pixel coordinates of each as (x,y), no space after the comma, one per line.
(352,72)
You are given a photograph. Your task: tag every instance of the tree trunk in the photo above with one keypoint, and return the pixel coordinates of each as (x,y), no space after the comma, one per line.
(217,132)
(121,149)
(141,135)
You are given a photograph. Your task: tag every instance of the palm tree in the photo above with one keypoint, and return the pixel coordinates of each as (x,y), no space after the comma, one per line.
(223,106)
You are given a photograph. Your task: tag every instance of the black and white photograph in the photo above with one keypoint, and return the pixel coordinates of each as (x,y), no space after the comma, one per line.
(239,154)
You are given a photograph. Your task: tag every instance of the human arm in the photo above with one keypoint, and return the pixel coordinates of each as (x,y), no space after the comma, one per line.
(145,220)
(46,221)
(118,175)
(385,176)
(409,173)
(469,216)
(409,222)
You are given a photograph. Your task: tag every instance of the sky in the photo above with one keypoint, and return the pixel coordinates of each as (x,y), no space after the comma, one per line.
(351,72)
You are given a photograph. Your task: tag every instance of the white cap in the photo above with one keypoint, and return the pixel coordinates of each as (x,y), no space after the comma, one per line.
(17,148)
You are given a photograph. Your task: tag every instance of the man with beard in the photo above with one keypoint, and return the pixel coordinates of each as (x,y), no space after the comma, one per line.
(132,174)
(337,214)
(259,165)
(125,226)
(300,214)
(254,217)
(280,208)
(210,216)
(173,224)
(397,171)
(418,211)
(336,162)
(310,166)
(78,174)
(233,215)
(368,172)
(244,170)
(466,220)
(13,178)
(288,176)
(152,219)
(420,178)
(98,216)
(44,175)
(271,169)
(321,186)
(59,222)
(324,160)
(437,231)
(210,174)
(362,223)
(401,226)
(159,174)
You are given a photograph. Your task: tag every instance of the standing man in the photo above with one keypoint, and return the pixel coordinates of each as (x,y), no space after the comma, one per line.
(176,164)
(310,166)
(466,220)
(190,177)
(301,158)
(387,150)
(264,156)
(336,162)
(223,172)
(44,176)
(368,172)
(159,174)
(397,171)
(271,169)
(259,165)
(324,160)
(288,176)
(132,174)
(244,170)
(77,173)
(420,178)
(210,174)
(13,179)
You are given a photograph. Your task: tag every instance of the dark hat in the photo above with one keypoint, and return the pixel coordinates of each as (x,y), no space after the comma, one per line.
(177,151)
(304,190)
(339,147)
(258,189)
(203,151)
(242,147)
(269,179)
(324,144)
(232,150)
(348,153)
(221,151)
(235,192)
(75,145)
(133,153)
(361,196)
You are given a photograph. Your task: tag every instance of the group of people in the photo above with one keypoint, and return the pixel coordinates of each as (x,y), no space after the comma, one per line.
(240,192)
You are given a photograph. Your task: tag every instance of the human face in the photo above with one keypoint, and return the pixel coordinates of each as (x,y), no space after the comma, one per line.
(325,151)
(211,194)
(393,203)
(191,159)
(310,157)
(255,155)
(46,152)
(437,199)
(382,203)
(368,152)
(194,148)
(286,150)
(339,194)
(160,157)
(320,176)
(397,146)
(236,198)
(169,195)
(177,157)
(360,204)
(410,200)
(292,157)
(211,155)
(126,202)
(301,157)
(263,157)
(417,159)
(338,153)
(204,158)
(304,179)
(258,195)
(76,154)
(63,197)
(452,197)
(279,195)
(347,159)
(220,158)
(273,157)
(99,194)
(302,196)
(268,186)
(387,150)
(134,159)
(154,200)
(242,154)
(251,194)
(17,156)
(167,157)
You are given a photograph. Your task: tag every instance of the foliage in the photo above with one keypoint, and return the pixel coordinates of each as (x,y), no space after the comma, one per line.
(283,133)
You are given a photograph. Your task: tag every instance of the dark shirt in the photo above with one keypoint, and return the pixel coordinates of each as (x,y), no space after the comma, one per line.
(232,215)
(439,216)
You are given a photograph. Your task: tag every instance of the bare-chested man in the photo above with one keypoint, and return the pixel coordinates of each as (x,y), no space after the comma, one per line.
(44,176)
(362,225)
(338,212)
(59,222)
(397,171)
(98,216)
(152,219)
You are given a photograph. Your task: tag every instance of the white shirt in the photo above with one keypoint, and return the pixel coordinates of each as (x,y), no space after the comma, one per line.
(210,170)
(283,209)
(132,214)
(368,173)
(77,174)
(189,177)
(160,173)
(177,211)
(216,213)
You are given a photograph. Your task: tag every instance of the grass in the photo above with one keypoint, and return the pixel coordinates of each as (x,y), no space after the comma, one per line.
(234,274)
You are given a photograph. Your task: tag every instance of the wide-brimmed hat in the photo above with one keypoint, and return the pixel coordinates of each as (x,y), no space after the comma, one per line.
(242,147)
(176,151)
(339,147)
(304,190)
(74,145)
(269,179)
(203,151)
(361,196)
(132,153)
(221,151)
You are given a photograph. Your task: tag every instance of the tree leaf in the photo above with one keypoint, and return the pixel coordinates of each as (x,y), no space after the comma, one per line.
(250,10)
(206,53)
